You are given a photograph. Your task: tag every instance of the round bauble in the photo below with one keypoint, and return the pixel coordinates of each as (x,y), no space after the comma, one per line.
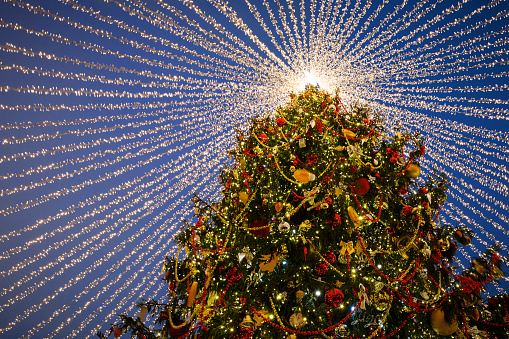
(178,332)
(439,324)
(300,294)
(284,227)
(462,237)
(278,206)
(297,320)
(321,268)
(118,332)
(257,228)
(263,137)
(342,331)
(334,298)
(361,187)
(330,257)
(413,171)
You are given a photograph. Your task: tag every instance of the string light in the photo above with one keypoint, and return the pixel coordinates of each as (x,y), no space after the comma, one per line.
(116,113)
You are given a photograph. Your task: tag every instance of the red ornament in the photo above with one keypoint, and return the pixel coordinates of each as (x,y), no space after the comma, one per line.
(259,230)
(389,151)
(402,190)
(393,160)
(178,332)
(334,298)
(260,169)
(280,122)
(321,268)
(164,315)
(330,257)
(424,190)
(405,211)
(361,186)
(425,204)
(336,221)
(263,138)
(353,170)
(422,150)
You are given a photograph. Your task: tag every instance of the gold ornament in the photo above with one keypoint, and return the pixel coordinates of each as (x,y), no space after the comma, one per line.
(439,324)
(354,216)
(192,294)
(413,171)
(247,322)
(444,244)
(259,319)
(292,168)
(300,294)
(244,197)
(305,226)
(324,205)
(269,262)
(403,246)
(382,300)
(278,206)
(349,134)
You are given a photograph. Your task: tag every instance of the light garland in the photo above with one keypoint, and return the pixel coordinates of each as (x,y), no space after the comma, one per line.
(115,112)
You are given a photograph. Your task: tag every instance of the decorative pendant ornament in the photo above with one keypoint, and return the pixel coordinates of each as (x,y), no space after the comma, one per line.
(117,333)
(342,331)
(269,262)
(463,237)
(444,244)
(247,322)
(349,134)
(297,320)
(278,206)
(192,294)
(284,227)
(346,247)
(303,175)
(259,319)
(302,142)
(300,295)
(381,300)
(354,216)
(363,296)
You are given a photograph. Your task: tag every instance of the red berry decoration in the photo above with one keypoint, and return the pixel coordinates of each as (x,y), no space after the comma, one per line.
(321,268)
(233,275)
(361,187)
(330,257)
(334,298)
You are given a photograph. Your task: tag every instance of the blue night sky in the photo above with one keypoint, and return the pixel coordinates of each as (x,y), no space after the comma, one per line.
(113,113)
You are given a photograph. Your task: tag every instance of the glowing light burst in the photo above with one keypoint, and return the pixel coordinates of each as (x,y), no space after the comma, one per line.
(114,112)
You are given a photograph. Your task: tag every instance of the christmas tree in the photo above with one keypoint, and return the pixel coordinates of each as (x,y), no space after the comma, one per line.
(326,229)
